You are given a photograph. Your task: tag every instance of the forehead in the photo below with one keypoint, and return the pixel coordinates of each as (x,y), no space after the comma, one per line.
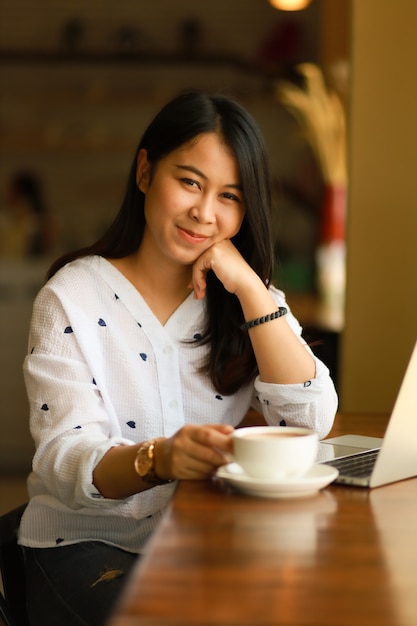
(209,148)
(207,144)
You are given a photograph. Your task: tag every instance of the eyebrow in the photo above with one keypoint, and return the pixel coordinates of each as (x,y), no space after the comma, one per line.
(195,170)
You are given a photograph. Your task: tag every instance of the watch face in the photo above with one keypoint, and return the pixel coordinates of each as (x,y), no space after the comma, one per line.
(143,462)
(144,465)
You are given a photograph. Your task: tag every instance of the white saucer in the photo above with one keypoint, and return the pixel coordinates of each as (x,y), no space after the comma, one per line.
(318,477)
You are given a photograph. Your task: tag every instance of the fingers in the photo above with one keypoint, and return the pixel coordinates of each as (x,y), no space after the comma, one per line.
(195,452)
(198,282)
(209,260)
(199,289)
(227,264)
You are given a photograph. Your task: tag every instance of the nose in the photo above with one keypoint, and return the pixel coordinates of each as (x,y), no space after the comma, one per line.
(203,211)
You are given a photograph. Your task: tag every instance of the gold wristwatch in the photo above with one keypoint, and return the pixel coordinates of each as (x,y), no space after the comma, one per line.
(145,464)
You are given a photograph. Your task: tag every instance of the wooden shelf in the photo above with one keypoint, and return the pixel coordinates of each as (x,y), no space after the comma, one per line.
(131,57)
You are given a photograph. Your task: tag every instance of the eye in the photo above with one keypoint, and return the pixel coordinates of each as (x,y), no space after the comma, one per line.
(230,196)
(191,183)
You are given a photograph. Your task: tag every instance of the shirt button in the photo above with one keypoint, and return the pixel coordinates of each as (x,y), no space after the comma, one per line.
(167,350)
(172,404)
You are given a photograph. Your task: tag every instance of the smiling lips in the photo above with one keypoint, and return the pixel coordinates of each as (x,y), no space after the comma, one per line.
(191,237)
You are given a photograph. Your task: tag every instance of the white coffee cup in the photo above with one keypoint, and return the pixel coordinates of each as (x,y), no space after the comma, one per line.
(275,452)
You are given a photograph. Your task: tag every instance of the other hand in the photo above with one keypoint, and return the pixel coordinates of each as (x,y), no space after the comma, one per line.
(227,263)
(194,452)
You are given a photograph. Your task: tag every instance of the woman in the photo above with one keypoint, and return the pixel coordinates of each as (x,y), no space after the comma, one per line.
(144,354)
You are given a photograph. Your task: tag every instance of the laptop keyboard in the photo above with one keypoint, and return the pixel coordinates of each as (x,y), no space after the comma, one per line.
(359,465)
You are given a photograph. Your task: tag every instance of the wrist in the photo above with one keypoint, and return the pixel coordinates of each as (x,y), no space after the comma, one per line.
(250,288)
(161,456)
(145,464)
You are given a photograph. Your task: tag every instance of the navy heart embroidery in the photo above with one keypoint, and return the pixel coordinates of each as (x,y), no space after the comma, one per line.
(143,356)
(219,397)
(59,540)
(77,427)
(101,322)
(197,336)
(283,423)
(68,330)
(45,407)
(131,424)
(307,383)
(116,297)
(32,351)
(94,381)
(140,325)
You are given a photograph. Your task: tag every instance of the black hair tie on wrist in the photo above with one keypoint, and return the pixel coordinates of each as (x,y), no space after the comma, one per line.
(265,318)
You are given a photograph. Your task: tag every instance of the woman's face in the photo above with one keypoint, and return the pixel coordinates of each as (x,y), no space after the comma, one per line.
(192,200)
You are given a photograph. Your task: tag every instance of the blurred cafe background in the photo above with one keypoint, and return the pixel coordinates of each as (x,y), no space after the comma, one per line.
(333,86)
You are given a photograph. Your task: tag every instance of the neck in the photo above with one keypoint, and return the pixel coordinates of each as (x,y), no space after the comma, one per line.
(161,274)
(162,284)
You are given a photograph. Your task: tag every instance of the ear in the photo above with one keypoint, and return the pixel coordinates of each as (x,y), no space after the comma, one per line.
(142,170)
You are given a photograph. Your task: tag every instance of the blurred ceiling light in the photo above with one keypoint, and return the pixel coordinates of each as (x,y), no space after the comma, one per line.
(289,5)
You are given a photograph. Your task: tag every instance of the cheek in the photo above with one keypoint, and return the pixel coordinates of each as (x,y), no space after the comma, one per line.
(235,222)
(158,203)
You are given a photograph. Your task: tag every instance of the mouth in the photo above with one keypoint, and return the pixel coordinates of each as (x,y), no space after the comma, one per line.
(190,236)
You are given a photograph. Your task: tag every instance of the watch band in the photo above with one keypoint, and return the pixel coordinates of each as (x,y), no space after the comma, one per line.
(144,464)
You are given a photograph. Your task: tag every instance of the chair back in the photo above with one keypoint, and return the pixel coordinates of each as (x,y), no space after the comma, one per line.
(13,599)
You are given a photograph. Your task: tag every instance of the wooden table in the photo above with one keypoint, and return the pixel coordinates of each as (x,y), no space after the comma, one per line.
(344,557)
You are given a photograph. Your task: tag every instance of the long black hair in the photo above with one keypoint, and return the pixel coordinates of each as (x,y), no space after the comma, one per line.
(231,362)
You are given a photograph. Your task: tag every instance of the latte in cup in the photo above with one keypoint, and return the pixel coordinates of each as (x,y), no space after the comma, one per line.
(275,452)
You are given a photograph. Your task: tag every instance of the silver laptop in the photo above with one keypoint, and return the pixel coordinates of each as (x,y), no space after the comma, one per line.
(370,461)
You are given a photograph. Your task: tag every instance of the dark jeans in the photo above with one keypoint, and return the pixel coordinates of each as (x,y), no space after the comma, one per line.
(74,585)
